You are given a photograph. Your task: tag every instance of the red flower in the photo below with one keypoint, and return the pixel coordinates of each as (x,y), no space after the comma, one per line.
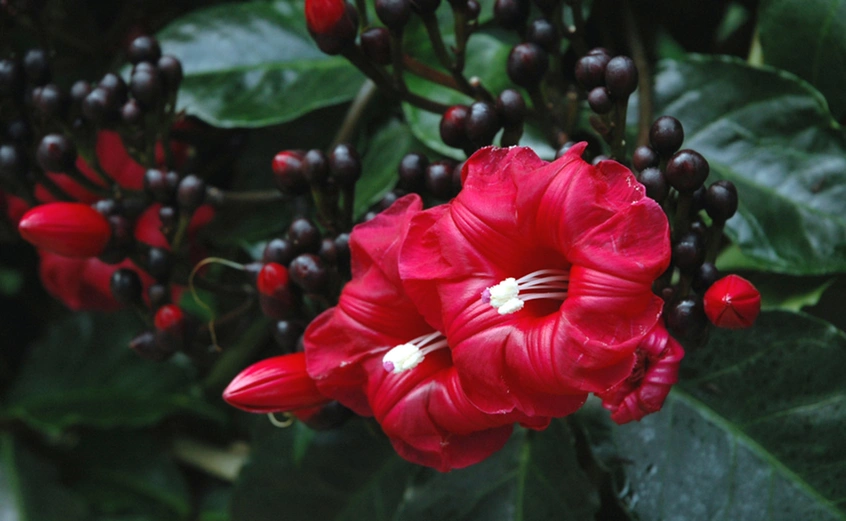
(277,384)
(732,303)
(376,354)
(540,276)
(646,388)
(67,229)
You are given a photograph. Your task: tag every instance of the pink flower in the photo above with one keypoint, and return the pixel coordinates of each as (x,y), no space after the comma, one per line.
(646,388)
(540,276)
(376,354)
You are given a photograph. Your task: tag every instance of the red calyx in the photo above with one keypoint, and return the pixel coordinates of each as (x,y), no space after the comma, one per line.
(278,384)
(274,292)
(67,229)
(323,15)
(169,318)
(732,303)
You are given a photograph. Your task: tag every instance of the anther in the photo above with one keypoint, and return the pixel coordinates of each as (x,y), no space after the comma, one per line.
(510,295)
(407,356)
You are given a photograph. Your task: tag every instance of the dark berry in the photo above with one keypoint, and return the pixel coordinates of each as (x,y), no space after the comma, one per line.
(11,79)
(147,347)
(19,132)
(161,185)
(412,172)
(13,162)
(527,64)
(56,153)
(688,252)
(721,201)
(698,200)
(543,33)
(79,90)
(191,193)
(666,135)
(144,49)
(159,295)
(482,123)
(115,84)
(121,241)
(132,113)
(590,70)
(656,185)
(600,101)
(168,216)
(511,14)
(289,173)
(159,263)
(316,167)
(36,67)
(686,319)
(644,157)
(376,44)
(51,102)
(453,126)
(274,292)
(687,170)
(621,77)
(309,273)
(342,251)
(108,207)
(439,179)
(598,159)
(511,107)
(280,251)
(456,177)
(126,286)
(328,252)
(147,86)
(387,200)
(171,72)
(100,106)
(287,333)
(393,13)
(472,9)
(345,165)
(304,236)
(705,276)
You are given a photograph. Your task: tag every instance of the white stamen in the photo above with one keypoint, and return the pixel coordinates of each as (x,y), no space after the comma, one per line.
(407,356)
(506,296)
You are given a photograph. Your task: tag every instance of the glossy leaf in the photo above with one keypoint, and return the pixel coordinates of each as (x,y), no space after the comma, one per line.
(753,431)
(30,488)
(83,373)
(254,64)
(808,39)
(353,474)
(771,135)
(379,165)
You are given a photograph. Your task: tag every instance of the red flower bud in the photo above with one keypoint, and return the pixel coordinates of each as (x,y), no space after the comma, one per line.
(68,229)
(278,384)
(732,303)
(274,293)
(323,15)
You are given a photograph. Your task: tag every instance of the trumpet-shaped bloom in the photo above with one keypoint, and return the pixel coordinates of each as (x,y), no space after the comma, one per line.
(376,353)
(646,388)
(277,384)
(540,276)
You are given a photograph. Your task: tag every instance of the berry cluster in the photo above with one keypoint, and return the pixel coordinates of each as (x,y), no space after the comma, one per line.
(93,180)
(676,179)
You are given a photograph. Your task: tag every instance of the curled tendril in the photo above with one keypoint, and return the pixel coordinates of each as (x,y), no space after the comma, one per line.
(199,301)
(289,420)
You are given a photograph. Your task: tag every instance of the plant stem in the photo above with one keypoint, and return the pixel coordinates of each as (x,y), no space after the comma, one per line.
(644,75)
(396,61)
(220,198)
(577,34)
(354,112)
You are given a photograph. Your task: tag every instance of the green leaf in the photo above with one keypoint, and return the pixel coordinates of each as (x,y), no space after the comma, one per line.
(754,430)
(771,135)
(125,474)
(808,39)
(379,165)
(30,489)
(353,473)
(253,64)
(83,373)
